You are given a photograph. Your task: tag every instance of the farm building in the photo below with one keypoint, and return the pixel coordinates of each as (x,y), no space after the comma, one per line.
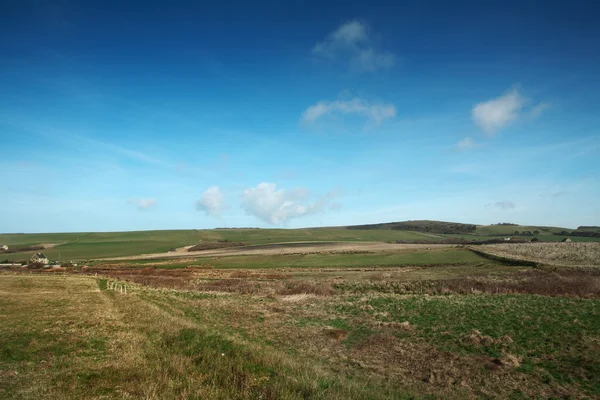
(4,247)
(39,258)
(566,240)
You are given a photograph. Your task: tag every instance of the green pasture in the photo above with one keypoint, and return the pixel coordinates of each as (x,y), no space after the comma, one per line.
(95,245)
(430,257)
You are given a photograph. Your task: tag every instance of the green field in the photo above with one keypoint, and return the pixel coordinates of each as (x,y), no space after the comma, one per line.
(87,246)
(379,259)
(82,246)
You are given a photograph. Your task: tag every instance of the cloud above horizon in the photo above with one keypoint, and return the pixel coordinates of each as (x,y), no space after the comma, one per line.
(212,202)
(355,44)
(143,204)
(374,113)
(496,114)
(504,205)
(277,206)
(465,144)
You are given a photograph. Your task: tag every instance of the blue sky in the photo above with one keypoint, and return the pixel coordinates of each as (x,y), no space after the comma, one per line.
(166,115)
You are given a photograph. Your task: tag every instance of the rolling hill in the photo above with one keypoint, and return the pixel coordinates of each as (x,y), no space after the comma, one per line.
(93,245)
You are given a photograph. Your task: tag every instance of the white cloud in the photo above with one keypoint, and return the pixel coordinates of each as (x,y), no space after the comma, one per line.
(211,201)
(497,113)
(504,204)
(352,42)
(142,204)
(465,144)
(375,113)
(276,206)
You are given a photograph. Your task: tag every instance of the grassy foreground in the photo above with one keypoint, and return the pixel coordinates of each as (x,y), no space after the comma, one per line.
(64,337)
(471,331)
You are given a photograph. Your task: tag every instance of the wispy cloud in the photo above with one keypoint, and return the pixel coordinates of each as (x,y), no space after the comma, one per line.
(353,43)
(374,113)
(465,144)
(559,194)
(276,206)
(552,195)
(504,205)
(143,204)
(495,114)
(129,153)
(212,202)
(537,110)
(69,137)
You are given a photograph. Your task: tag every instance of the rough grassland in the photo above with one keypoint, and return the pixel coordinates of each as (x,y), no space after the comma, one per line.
(549,253)
(64,338)
(466,331)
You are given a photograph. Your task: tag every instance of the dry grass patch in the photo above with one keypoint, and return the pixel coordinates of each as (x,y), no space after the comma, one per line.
(565,282)
(306,287)
(241,286)
(295,298)
(548,253)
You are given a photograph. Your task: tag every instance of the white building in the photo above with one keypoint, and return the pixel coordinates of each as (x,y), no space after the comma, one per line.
(39,258)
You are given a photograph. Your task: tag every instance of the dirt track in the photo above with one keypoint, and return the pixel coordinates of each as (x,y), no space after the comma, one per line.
(285,248)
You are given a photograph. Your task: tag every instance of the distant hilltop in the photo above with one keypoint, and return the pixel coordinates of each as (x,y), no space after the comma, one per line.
(426,226)
(499,229)
(237,228)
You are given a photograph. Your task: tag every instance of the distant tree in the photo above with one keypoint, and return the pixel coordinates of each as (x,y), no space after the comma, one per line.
(535,239)
(517,233)
(536,232)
